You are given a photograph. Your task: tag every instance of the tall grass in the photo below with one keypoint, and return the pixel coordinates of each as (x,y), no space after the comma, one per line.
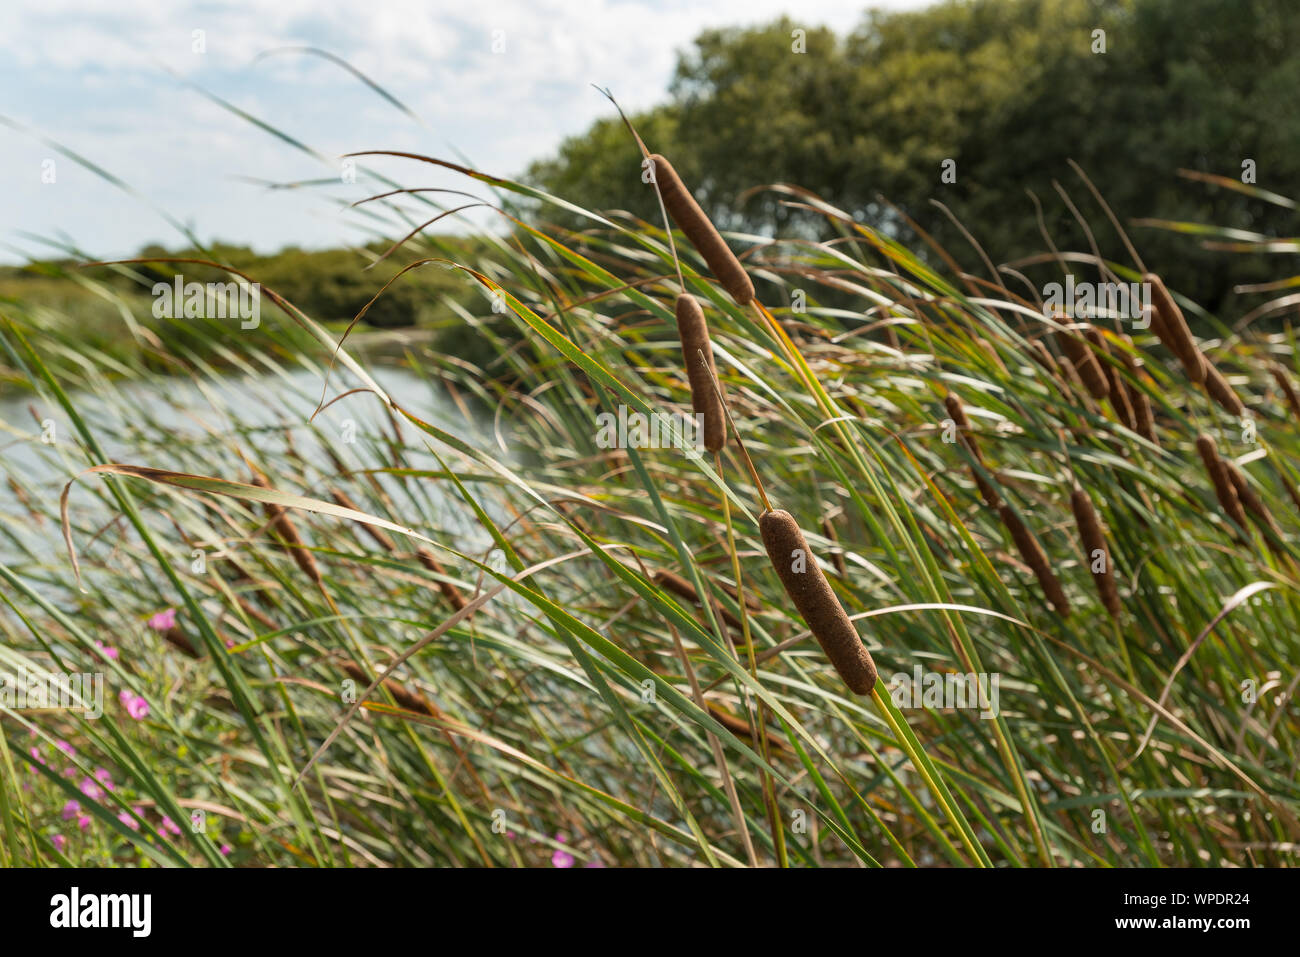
(487,667)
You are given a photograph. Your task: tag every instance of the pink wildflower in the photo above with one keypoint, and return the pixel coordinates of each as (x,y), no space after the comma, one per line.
(164,620)
(561,858)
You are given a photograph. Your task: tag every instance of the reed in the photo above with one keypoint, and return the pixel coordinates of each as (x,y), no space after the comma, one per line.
(1084,361)
(1218,389)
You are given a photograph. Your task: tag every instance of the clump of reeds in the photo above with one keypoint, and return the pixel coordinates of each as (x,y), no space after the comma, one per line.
(1221,479)
(1170,327)
(702,375)
(1094,541)
(692,221)
(288,534)
(815,601)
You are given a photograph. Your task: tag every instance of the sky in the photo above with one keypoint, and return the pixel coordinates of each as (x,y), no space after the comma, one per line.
(496,82)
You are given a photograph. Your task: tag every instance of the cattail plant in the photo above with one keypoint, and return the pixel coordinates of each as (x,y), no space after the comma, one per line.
(299,552)
(702,375)
(692,221)
(1170,327)
(1032,554)
(1094,547)
(1221,479)
(816,603)
(381,537)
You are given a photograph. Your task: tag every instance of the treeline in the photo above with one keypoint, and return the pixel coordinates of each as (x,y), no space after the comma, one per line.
(1007,90)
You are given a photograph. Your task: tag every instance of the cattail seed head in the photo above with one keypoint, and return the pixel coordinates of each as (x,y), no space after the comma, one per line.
(449,591)
(816,603)
(1216,386)
(1171,328)
(1142,412)
(1220,478)
(1094,542)
(1116,391)
(280,521)
(381,537)
(1032,554)
(694,333)
(692,221)
(682,588)
(957,412)
(1284,383)
(1248,497)
(1084,362)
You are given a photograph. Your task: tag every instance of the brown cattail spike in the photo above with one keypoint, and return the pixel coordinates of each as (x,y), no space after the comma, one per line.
(694,333)
(957,413)
(807,587)
(1248,497)
(1033,555)
(1221,479)
(1170,327)
(301,556)
(1084,362)
(449,591)
(1117,393)
(1284,383)
(1218,389)
(381,537)
(679,586)
(1094,547)
(692,221)
(1142,413)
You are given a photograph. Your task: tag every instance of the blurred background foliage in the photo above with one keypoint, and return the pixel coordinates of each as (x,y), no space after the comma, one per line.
(1008,89)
